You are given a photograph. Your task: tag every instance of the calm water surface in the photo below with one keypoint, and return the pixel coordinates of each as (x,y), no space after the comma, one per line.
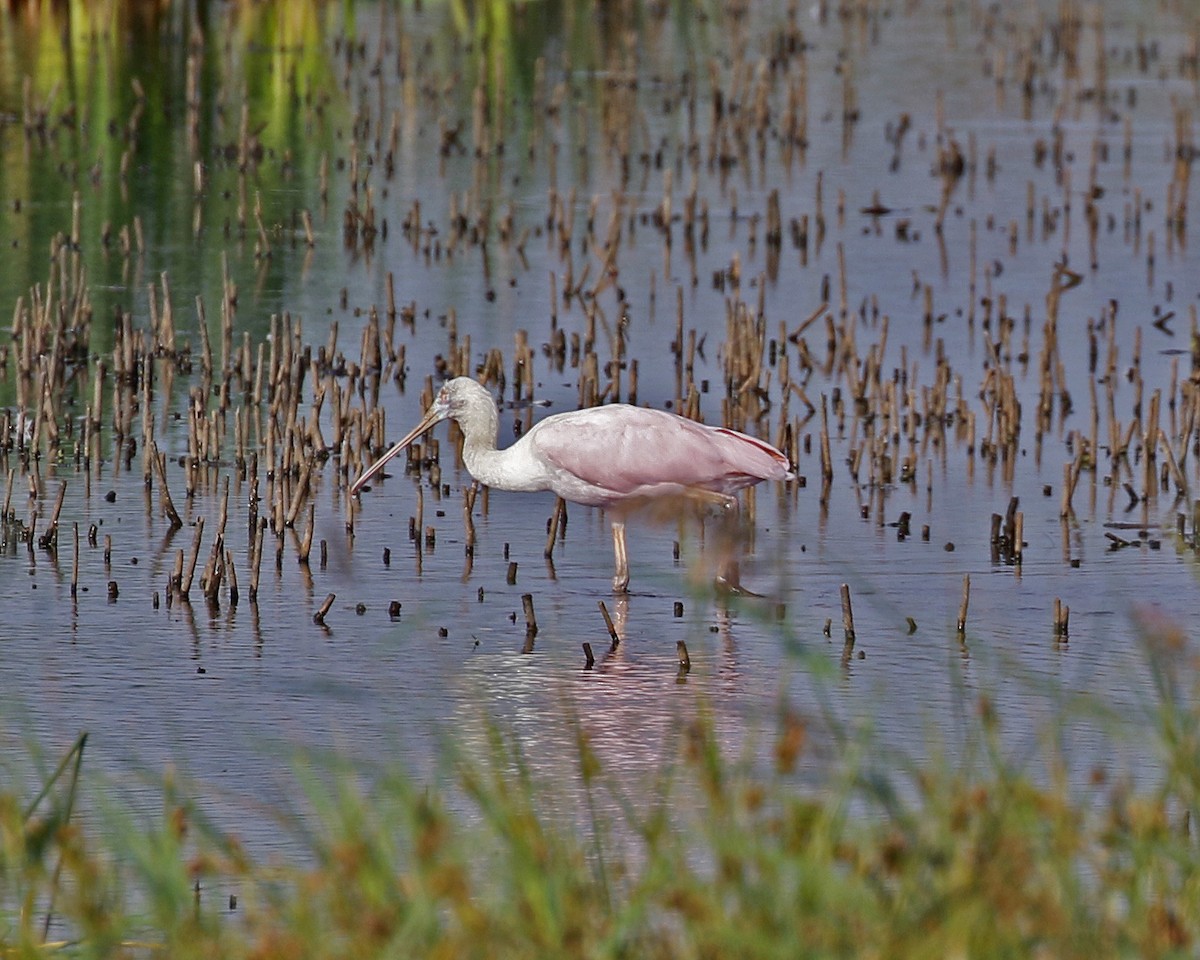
(234,694)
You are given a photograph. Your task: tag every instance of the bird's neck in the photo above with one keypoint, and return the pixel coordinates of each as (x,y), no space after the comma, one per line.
(508,469)
(479,453)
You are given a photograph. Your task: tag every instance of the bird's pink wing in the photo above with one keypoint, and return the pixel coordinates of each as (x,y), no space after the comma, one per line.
(630,451)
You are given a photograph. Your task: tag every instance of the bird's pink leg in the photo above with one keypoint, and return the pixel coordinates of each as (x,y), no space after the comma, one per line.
(621,577)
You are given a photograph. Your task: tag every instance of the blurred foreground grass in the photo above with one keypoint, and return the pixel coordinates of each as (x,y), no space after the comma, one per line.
(722,859)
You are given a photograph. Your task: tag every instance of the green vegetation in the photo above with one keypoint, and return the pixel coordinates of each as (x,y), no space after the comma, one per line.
(718,859)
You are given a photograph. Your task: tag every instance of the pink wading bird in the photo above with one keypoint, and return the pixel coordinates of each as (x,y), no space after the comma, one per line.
(618,457)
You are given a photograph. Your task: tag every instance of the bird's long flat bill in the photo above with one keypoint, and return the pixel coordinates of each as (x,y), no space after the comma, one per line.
(434,415)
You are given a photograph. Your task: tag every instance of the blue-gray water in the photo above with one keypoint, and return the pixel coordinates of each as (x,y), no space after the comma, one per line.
(231,695)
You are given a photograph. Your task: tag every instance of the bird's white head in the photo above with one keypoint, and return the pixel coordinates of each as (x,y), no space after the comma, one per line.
(459,396)
(461,399)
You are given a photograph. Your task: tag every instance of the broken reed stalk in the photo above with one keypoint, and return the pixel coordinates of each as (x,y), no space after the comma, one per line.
(1068,487)
(560,512)
(589,657)
(1173,465)
(210,579)
(685,661)
(1062,619)
(158,461)
(319,616)
(468,519)
(75,564)
(847,614)
(966,600)
(49,540)
(223,517)
(847,625)
(531,627)
(826,456)
(299,494)
(231,572)
(8,490)
(306,543)
(256,560)
(215,571)
(608,622)
(185,584)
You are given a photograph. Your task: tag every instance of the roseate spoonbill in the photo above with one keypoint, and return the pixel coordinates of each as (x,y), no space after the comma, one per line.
(617,456)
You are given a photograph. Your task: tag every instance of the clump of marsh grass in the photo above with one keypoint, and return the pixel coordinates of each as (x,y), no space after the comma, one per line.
(722,858)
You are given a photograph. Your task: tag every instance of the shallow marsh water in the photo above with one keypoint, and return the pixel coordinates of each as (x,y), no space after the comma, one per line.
(612,106)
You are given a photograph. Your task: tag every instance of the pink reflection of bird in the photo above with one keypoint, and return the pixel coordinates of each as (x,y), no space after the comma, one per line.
(618,456)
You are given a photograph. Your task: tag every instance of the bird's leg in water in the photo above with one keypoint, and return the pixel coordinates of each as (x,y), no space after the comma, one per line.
(621,577)
(730,542)
(729,572)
